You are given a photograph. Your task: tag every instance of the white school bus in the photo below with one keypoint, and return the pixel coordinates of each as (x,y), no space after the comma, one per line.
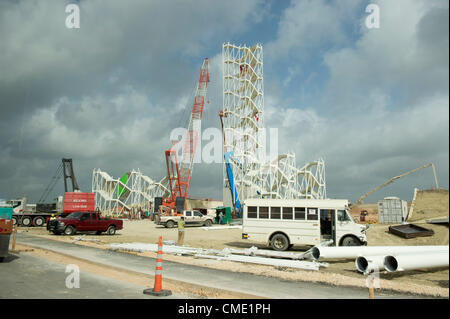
(282,223)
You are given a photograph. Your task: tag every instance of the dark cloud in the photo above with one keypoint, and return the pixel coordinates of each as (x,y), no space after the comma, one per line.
(108,94)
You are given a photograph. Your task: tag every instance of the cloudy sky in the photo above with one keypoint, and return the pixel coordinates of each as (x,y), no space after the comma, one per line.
(374,103)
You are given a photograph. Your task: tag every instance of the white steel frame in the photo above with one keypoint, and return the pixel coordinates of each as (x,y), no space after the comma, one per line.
(139,192)
(243,122)
(243,114)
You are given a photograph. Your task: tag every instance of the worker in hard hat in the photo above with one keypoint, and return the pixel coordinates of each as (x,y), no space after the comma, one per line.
(52,217)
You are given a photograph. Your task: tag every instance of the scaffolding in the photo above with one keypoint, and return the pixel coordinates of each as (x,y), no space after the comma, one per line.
(244,136)
(128,194)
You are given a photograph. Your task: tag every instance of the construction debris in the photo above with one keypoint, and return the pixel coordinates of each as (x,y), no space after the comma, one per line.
(410,231)
(221,227)
(274,258)
(308,265)
(169,249)
(83,238)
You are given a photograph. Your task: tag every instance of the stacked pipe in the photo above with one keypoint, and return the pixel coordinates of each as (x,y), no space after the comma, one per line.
(391,258)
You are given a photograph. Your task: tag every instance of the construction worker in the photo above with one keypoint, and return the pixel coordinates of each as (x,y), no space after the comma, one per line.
(180,231)
(52,217)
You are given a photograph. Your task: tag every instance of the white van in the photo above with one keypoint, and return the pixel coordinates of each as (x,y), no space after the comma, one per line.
(282,223)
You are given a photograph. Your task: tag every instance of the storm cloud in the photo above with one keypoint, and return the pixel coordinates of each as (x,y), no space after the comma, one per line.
(372,102)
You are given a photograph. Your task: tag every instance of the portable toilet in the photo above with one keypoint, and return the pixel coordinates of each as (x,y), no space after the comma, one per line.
(226,212)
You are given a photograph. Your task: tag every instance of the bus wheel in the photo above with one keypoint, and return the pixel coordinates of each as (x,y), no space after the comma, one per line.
(350,241)
(279,242)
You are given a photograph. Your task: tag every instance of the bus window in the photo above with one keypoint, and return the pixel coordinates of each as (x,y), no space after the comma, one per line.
(342,216)
(264,212)
(300,213)
(287,213)
(312,214)
(275,213)
(252,212)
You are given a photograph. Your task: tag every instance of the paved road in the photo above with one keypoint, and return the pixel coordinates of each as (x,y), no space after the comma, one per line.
(24,276)
(233,281)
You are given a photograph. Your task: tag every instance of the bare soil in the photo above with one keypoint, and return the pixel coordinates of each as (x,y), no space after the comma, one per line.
(433,282)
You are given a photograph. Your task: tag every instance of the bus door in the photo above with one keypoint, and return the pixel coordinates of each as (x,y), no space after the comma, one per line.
(328,224)
(333,227)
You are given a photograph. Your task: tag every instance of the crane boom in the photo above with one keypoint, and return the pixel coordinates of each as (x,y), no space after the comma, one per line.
(66,168)
(400,176)
(179,174)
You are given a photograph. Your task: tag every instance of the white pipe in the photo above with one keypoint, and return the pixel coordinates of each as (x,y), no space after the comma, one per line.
(416,261)
(319,252)
(366,264)
(221,227)
(254,251)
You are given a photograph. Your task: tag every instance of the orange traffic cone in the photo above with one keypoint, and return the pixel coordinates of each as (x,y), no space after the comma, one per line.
(157,288)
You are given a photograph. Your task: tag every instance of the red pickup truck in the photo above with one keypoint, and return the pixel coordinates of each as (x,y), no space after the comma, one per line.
(84,222)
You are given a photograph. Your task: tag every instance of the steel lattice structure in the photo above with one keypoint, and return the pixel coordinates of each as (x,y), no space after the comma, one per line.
(132,192)
(243,125)
(243,115)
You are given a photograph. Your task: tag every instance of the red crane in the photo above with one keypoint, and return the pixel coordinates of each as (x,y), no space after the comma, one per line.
(179,174)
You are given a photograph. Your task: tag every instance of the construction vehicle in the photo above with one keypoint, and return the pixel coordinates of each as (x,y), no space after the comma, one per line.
(84,222)
(400,176)
(179,174)
(25,214)
(282,223)
(237,209)
(191,217)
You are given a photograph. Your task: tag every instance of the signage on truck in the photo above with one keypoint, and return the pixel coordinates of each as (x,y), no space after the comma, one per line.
(5,227)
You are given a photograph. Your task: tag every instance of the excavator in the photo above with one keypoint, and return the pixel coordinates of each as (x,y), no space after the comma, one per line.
(397,177)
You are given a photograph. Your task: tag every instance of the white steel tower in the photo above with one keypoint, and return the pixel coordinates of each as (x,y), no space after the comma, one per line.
(244,137)
(243,115)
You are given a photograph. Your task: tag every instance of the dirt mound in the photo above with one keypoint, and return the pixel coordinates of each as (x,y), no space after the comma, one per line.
(430,204)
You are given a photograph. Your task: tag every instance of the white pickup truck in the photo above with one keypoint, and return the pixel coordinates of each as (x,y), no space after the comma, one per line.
(191,217)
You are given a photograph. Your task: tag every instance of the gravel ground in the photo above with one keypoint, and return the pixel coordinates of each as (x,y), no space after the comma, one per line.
(339,272)
(429,204)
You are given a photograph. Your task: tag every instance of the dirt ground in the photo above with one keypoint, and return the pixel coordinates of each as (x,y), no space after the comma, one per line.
(371,209)
(429,204)
(340,272)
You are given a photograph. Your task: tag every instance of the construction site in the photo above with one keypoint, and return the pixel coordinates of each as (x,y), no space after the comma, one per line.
(275,220)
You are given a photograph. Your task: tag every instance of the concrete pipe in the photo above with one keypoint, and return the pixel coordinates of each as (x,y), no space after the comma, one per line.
(410,261)
(319,252)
